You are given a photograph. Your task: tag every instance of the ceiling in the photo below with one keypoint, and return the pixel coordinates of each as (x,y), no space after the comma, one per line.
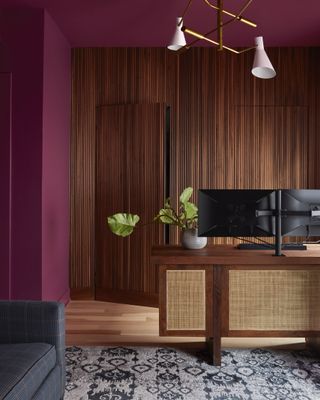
(147,23)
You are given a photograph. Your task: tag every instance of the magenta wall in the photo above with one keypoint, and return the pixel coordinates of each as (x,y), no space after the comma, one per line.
(22,33)
(55,163)
(5,179)
(36,116)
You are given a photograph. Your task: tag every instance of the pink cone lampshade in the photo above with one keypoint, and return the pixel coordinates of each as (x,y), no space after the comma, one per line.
(178,40)
(262,67)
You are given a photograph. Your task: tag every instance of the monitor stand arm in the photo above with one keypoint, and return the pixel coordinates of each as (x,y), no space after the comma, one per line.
(278,216)
(278,213)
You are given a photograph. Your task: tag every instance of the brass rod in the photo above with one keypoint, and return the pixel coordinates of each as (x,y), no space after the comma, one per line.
(199,37)
(202,37)
(185,12)
(243,9)
(235,18)
(219,28)
(248,49)
(246,21)
(238,16)
(187,46)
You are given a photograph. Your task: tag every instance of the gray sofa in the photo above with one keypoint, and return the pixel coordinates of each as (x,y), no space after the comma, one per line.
(32,345)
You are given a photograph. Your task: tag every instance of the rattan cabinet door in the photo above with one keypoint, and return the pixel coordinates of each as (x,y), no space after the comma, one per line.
(274,301)
(183,301)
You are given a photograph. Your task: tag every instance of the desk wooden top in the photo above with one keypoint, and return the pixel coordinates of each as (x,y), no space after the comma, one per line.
(229,255)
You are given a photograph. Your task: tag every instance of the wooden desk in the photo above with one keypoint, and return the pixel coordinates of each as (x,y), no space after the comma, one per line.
(221,291)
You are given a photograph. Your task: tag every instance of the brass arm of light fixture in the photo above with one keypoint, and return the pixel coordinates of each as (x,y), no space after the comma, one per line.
(187,46)
(238,16)
(202,37)
(235,17)
(185,12)
(199,36)
(247,49)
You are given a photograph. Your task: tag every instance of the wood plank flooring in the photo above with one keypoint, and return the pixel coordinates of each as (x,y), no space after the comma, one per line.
(99,323)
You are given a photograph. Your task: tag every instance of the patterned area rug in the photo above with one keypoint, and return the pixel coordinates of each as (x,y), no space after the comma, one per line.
(149,373)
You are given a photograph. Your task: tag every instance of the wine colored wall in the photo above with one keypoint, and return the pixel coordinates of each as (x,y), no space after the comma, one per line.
(55,163)
(5,173)
(39,137)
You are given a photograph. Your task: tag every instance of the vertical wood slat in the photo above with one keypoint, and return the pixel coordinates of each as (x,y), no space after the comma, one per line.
(218,112)
(129,178)
(82,174)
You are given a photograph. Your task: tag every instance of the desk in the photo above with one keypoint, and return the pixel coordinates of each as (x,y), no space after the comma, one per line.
(221,291)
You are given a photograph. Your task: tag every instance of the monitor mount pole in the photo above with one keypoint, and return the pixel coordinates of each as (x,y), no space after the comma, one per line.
(278,216)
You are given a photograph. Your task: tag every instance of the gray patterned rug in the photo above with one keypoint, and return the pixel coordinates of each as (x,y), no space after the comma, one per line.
(149,373)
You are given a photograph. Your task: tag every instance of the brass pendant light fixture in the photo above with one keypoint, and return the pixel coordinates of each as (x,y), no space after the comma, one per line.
(262,67)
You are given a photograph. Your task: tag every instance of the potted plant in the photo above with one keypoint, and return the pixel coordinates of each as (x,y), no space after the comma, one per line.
(185,218)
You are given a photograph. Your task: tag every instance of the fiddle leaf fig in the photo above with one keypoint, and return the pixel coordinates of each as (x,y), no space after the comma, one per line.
(123,224)
(191,210)
(166,216)
(185,195)
(185,217)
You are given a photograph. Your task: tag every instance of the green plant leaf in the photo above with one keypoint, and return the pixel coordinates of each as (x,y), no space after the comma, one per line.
(122,224)
(166,216)
(185,195)
(191,210)
(167,203)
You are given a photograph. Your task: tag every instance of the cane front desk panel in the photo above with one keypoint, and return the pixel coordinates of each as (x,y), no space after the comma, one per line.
(277,300)
(244,293)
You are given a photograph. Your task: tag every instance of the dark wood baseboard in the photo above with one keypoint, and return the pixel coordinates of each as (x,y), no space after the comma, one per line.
(82,294)
(126,297)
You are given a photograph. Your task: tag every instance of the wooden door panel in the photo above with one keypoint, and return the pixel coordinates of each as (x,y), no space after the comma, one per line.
(129,178)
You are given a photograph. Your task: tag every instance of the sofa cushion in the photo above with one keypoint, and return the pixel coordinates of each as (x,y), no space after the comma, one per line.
(52,387)
(23,368)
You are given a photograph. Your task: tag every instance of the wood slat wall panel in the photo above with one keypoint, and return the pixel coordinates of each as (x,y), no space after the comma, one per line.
(82,174)
(129,177)
(228,129)
(242,132)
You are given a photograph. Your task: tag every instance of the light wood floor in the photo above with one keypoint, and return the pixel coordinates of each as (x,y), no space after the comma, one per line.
(100,323)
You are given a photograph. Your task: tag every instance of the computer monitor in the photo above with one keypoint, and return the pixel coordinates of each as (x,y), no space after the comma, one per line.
(300,212)
(258,213)
(233,212)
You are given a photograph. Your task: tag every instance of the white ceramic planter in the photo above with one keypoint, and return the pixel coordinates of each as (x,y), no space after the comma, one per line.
(190,239)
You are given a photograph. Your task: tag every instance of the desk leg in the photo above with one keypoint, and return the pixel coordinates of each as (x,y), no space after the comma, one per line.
(314,343)
(216,340)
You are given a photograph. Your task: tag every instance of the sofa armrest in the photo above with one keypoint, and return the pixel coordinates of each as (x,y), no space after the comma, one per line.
(34,321)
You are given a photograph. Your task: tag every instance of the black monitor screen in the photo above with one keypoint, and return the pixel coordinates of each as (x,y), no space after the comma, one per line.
(299,205)
(233,212)
(252,212)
